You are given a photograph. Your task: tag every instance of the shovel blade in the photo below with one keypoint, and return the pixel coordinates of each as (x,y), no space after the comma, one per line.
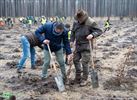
(94,79)
(59,82)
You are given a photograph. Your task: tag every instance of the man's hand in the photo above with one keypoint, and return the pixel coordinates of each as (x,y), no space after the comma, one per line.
(89,37)
(46,41)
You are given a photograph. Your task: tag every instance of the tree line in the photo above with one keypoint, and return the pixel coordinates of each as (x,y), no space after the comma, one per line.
(95,8)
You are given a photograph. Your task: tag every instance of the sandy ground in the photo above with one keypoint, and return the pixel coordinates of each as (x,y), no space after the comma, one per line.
(115,61)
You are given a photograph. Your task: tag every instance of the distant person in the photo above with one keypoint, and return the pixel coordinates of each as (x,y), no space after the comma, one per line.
(43,20)
(29,24)
(9,22)
(2,22)
(35,21)
(67,27)
(107,25)
(24,22)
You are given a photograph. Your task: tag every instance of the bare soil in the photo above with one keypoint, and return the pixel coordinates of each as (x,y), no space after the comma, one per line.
(117,76)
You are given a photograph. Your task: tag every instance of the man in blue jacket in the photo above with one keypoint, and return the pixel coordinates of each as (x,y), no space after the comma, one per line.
(54,34)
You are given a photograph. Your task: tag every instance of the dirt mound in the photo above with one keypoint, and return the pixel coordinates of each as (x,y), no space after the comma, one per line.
(132,72)
(110,50)
(33,83)
(12,64)
(115,84)
(16,50)
(132,59)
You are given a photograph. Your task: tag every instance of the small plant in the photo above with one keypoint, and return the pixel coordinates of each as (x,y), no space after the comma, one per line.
(122,66)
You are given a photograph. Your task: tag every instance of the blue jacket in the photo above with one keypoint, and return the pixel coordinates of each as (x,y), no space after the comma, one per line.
(56,41)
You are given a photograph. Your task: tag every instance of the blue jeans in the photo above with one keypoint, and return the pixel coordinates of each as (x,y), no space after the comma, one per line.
(60,58)
(28,51)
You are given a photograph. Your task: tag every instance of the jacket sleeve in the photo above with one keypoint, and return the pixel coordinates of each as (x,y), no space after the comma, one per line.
(41,46)
(95,31)
(39,33)
(66,43)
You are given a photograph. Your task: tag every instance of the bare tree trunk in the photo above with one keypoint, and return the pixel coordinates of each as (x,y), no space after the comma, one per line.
(67,7)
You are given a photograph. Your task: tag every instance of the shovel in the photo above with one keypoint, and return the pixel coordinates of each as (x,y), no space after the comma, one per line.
(58,78)
(94,75)
(69,70)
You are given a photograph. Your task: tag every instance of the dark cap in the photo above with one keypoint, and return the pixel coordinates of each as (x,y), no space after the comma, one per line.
(59,26)
(81,15)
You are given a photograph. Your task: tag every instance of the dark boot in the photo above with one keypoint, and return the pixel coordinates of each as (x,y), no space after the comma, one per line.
(77,79)
(19,71)
(84,83)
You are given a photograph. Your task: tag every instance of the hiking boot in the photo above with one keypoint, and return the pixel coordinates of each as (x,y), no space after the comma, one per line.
(43,78)
(19,71)
(20,67)
(84,83)
(75,81)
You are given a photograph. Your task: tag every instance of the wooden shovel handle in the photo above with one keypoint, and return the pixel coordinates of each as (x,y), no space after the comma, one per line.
(54,65)
(91,53)
(71,62)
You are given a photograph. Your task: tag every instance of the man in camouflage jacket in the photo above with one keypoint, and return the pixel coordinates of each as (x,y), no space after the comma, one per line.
(84,29)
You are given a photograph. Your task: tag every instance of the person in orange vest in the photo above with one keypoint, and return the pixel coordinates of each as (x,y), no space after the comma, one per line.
(2,22)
